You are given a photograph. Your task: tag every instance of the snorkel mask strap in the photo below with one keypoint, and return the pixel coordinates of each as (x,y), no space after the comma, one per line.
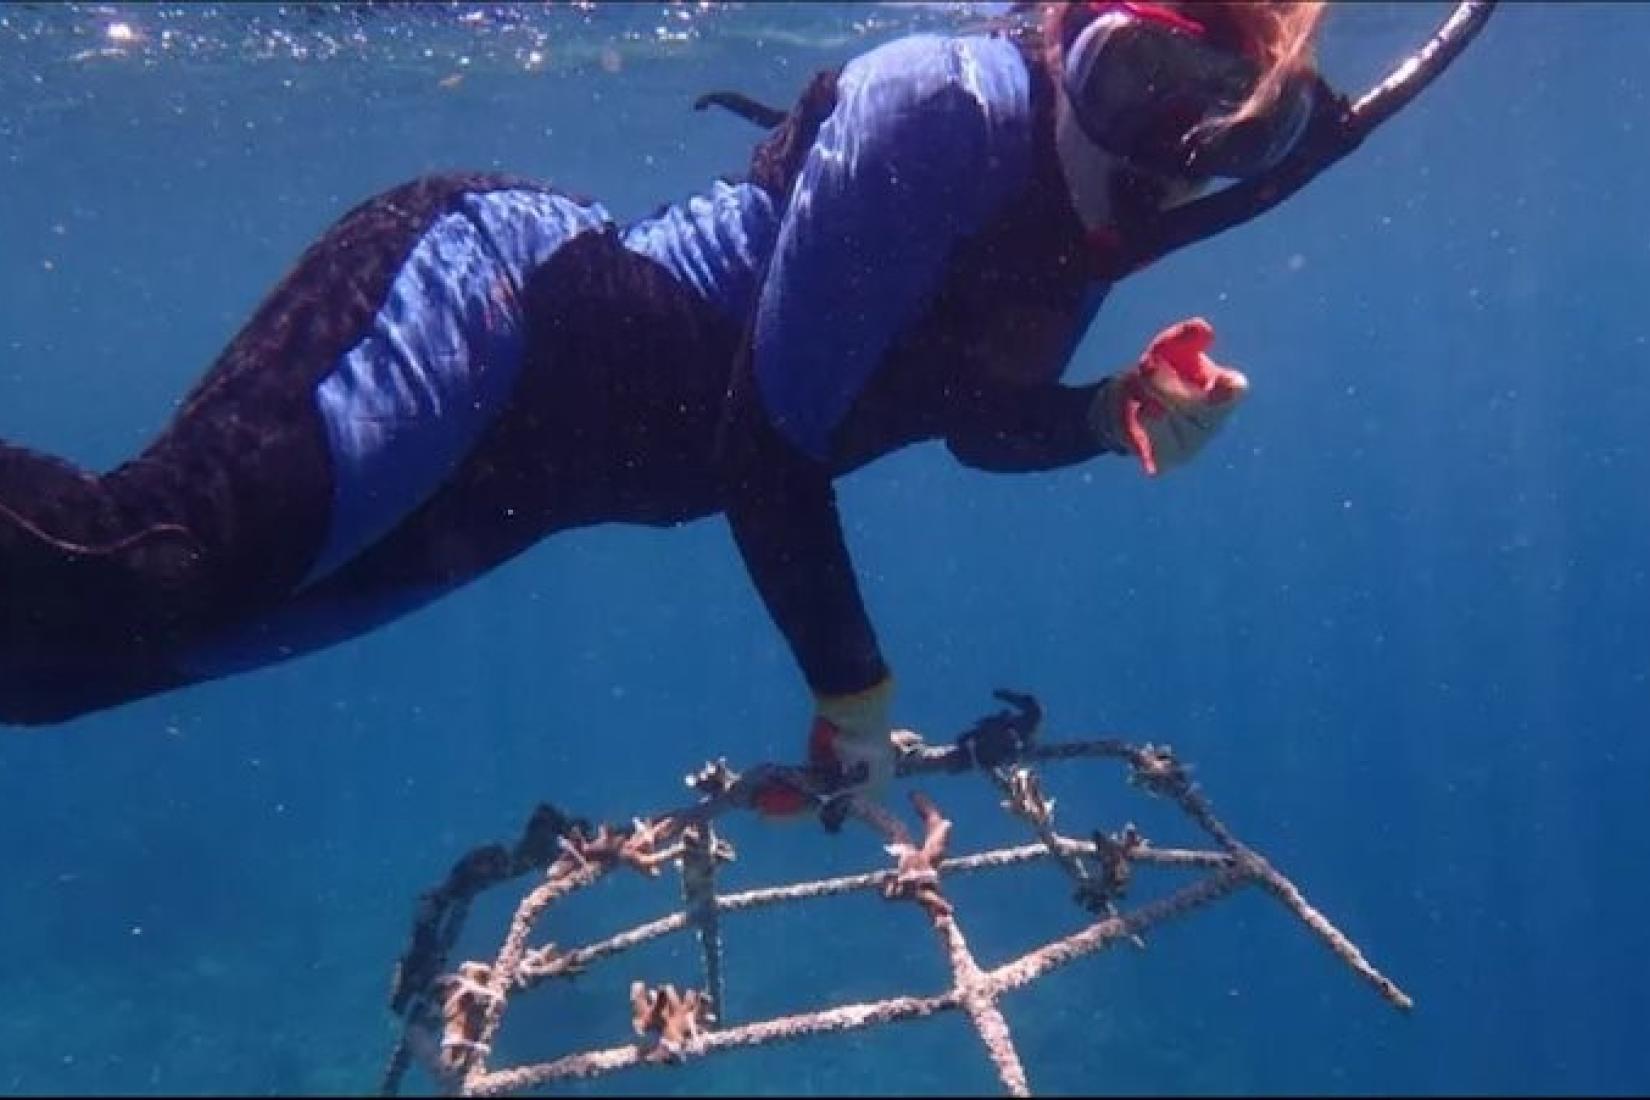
(1337,127)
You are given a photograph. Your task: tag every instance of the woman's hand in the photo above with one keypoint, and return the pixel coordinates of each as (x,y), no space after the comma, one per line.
(1170,403)
(850,750)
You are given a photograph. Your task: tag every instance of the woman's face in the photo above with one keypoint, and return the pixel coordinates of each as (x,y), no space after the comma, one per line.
(1162,94)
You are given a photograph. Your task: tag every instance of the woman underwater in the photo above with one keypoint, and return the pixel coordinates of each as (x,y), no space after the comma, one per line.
(466,364)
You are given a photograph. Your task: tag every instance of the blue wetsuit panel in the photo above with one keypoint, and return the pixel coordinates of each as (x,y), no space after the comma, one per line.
(929,137)
(405,405)
(438,364)
(715,243)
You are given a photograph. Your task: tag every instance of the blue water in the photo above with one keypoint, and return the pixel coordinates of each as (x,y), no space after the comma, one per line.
(1398,615)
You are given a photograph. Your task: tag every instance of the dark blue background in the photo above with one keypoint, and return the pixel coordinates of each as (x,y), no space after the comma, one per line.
(1398,614)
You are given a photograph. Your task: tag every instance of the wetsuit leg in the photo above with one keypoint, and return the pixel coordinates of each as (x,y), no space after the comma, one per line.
(92,582)
(104,578)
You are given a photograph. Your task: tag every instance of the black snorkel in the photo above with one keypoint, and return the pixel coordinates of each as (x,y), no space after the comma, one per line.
(1337,127)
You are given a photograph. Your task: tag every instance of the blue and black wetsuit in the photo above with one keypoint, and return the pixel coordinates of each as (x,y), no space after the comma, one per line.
(467,364)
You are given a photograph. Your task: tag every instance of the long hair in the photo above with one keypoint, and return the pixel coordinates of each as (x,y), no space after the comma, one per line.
(1278,35)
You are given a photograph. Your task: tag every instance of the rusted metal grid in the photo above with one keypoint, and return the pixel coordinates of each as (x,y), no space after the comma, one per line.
(452,1016)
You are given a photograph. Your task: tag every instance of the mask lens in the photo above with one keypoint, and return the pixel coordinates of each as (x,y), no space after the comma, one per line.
(1255,144)
(1143,92)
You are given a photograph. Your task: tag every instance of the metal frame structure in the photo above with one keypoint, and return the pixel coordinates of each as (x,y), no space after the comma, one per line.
(452,1016)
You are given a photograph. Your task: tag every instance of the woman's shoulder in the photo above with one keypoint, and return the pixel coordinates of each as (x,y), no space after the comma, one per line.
(920,104)
(933,71)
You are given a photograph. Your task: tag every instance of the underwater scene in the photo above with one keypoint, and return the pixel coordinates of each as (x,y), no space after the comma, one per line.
(1157,491)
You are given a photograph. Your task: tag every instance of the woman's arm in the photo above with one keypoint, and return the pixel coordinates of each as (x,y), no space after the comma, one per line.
(929,136)
(1006,428)
(1162,410)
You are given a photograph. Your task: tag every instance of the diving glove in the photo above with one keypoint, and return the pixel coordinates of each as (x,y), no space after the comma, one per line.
(849,746)
(1171,402)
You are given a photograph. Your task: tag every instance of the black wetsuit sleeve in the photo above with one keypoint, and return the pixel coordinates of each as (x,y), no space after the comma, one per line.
(781,508)
(1013,429)
(927,138)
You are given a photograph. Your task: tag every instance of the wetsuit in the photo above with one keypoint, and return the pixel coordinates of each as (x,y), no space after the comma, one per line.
(467,364)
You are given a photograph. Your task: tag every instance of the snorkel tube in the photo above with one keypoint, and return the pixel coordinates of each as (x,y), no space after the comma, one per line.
(1336,128)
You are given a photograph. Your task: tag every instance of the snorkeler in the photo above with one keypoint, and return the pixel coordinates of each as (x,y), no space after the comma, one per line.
(465,365)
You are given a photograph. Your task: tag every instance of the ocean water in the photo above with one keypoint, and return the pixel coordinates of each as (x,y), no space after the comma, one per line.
(1398,615)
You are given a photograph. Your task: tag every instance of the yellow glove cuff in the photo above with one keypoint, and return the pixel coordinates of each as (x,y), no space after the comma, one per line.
(861,711)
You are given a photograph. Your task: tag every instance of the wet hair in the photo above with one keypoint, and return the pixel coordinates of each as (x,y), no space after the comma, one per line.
(1278,35)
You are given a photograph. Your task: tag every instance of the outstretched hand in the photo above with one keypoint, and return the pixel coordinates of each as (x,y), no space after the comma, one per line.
(1175,398)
